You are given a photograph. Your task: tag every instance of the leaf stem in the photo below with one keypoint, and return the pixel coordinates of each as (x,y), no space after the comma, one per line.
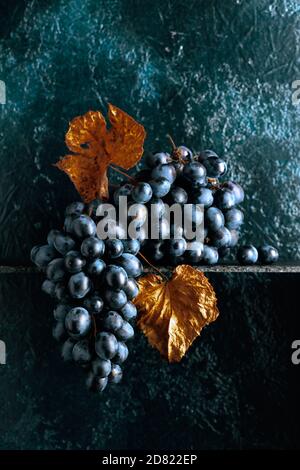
(122,173)
(152,266)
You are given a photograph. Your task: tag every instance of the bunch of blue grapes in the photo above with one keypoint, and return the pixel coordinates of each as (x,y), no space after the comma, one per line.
(94,281)
(183,177)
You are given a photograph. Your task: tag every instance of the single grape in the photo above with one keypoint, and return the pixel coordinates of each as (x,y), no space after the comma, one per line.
(268,254)
(48,287)
(106,345)
(79,285)
(64,243)
(156,249)
(153,160)
(247,254)
(51,236)
(220,238)
(113,248)
(178,167)
(236,189)
(122,353)
(41,256)
(177,195)
(234,237)
(94,304)
(194,171)
(205,154)
(74,262)
(126,332)
(131,289)
(55,270)
(194,251)
(203,196)
(167,171)
(61,311)
(92,247)
(234,218)
(131,246)
(160,186)
(59,332)
(115,276)
(83,226)
(95,383)
(75,208)
(224,199)
(82,353)
(101,367)
(124,190)
(95,267)
(78,322)
(131,264)
(215,167)
(112,321)
(175,247)
(185,153)
(210,255)
(142,193)
(61,292)
(115,299)
(214,218)
(116,374)
(129,311)
(68,223)
(67,349)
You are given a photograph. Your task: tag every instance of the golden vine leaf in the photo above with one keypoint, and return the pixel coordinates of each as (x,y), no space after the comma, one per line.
(95,147)
(173,313)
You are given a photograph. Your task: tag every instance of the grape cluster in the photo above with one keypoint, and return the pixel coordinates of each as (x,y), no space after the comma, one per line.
(94,282)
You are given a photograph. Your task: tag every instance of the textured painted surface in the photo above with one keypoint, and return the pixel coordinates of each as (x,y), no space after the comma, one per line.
(236,388)
(213,74)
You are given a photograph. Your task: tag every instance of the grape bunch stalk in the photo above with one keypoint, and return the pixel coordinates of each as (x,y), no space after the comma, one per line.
(93,282)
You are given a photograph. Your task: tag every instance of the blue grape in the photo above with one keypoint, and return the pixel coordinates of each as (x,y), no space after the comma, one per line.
(131,264)
(51,236)
(74,262)
(94,304)
(115,276)
(142,193)
(175,247)
(194,251)
(75,208)
(78,322)
(234,238)
(116,374)
(68,223)
(234,218)
(205,154)
(224,198)
(115,299)
(101,367)
(185,153)
(56,270)
(83,226)
(215,167)
(126,332)
(203,196)
(153,160)
(92,247)
(177,195)
(124,190)
(236,189)
(122,353)
(64,243)
(160,186)
(67,349)
(210,255)
(214,218)
(247,254)
(167,171)
(131,246)
(221,237)
(106,345)
(131,289)
(129,311)
(81,352)
(95,383)
(42,255)
(61,311)
(96,267)
(61,292)
(79,285)
(48,287)
(268,254)
(113,248)
(58,332)
(112,321)
(194,171)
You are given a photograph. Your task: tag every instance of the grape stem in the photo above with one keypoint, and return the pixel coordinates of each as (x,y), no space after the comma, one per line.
(152,266)
(122,173)
(172,142)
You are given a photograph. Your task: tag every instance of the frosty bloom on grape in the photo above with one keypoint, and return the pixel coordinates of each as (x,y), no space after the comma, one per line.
(2,353)
(185,220)
(2,92)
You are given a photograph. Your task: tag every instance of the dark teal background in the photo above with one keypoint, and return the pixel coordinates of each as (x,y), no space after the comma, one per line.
(215,74)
